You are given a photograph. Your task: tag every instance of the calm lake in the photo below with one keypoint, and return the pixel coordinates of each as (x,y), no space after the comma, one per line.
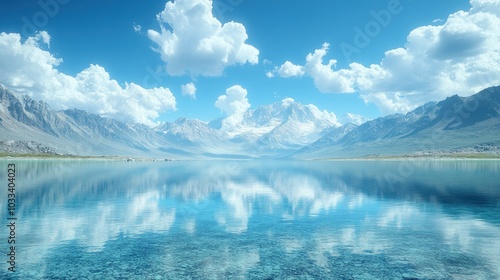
(84,219)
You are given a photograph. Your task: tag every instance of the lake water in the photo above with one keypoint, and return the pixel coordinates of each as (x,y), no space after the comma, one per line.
(254,220)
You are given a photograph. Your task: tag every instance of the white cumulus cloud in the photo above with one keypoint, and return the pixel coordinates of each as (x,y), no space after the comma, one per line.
(189,89)
(28,68)
(192,41)
(461,56)
(289,69)
(234,104)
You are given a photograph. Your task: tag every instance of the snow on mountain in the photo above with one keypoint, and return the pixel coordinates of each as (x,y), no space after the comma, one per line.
(352,118)
(278,127)
(273,130)
(331,135)
(23,120)
(299,125)
(190,130)
(196,136)
(267,130)
(454,123)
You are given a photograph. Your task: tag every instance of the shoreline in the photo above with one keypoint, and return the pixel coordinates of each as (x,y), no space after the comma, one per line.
(412,159)
(143,159)
(458,156)
(76,157)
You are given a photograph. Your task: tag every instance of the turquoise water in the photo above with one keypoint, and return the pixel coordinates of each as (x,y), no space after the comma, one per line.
(254,220)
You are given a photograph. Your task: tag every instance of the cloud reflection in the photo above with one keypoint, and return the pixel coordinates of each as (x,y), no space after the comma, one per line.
(341,207)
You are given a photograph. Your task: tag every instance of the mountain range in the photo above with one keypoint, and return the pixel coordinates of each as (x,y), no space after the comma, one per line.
(285,129)
(452,125)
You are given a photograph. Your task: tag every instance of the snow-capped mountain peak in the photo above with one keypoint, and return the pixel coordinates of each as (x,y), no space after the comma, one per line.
(268,130)
(284,125)
(352,118)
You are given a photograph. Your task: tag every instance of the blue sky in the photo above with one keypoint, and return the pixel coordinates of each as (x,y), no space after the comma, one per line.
(118,37)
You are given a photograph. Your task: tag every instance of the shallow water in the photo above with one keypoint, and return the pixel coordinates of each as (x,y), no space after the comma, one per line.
(255,220)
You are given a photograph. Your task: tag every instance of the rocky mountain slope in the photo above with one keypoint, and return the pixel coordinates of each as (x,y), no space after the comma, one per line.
(456,123)
(271,130)
(72,131)
(282,129)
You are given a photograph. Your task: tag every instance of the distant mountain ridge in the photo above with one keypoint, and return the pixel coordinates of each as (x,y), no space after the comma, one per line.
(283,129)
(269,130)
(71,131)
(452,124)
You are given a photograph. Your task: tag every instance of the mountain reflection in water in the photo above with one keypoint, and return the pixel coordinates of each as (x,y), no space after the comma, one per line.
(239,216)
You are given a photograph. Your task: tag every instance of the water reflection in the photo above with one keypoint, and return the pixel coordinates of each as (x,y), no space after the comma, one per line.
(321,213)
